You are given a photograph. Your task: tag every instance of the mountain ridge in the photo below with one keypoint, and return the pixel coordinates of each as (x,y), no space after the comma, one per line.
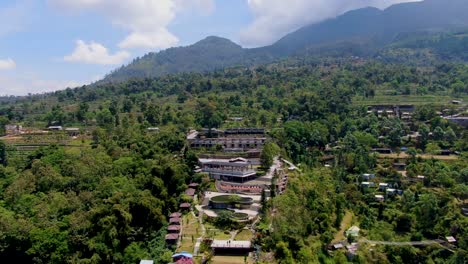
(368,28)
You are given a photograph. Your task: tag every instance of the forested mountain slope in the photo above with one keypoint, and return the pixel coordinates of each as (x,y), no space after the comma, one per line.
(360,32)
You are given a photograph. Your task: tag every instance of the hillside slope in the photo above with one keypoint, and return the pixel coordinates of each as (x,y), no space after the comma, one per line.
(360,32)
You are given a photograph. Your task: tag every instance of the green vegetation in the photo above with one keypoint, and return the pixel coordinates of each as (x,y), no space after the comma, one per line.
(106,197)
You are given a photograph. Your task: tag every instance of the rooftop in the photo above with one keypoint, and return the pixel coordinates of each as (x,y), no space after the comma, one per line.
(172,236)
(231,244)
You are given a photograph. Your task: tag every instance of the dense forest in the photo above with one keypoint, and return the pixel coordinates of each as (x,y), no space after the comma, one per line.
(108,201)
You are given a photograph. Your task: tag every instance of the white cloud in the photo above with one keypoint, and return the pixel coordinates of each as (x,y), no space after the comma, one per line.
(7,64)
(146,20)
(95,53)
(275,18)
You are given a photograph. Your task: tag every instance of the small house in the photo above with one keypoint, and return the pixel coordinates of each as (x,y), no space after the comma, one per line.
(175,221)
(144,261)
(399,166)
(391,191)
(185,206)
(55,128)
(368,176)
(193,185)
(383,186)
(353,231)
(421,177)
(379,198)
(175,215)
(172,238)
(152,129)
(173,229)
(72,131)
(451,239)
(190,192)
(368,184)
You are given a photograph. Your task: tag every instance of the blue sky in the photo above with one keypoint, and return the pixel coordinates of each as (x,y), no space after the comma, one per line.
(46,45)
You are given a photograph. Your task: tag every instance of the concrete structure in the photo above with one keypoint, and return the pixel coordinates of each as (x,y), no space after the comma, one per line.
(235,170)
(231,247)
(231,140)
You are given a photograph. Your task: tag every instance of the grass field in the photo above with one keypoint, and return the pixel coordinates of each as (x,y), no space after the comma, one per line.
(244,234)
(190,232)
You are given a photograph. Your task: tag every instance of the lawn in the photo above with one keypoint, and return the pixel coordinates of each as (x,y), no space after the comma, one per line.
(244,234)
(190,232)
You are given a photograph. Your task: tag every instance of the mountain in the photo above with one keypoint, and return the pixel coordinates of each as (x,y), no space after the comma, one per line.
(359,32)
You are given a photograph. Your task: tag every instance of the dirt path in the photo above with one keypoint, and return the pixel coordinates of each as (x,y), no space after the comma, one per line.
(345,224)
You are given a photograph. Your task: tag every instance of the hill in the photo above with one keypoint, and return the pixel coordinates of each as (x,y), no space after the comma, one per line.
(362,32)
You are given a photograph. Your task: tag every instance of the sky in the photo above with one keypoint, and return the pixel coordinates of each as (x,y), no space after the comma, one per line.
(48,45)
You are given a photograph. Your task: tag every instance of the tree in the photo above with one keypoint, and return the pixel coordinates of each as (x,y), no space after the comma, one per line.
(433,148)
(449,135)
(3,153)
(269,151)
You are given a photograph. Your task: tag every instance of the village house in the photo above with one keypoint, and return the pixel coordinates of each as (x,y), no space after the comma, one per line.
(72,131)
(353,231)
(13,129)
(379,198)
(368,176)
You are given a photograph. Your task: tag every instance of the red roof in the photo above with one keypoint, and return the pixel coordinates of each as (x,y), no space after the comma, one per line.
(174,220)
(193,185)
(173,227)
(185,205)
(184,261)
(190,192)
(176,215)
(172,236)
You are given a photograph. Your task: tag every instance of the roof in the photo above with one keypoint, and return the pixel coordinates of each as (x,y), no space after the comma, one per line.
(190,192)
(145,261)
(194,185)
(354,229)
(185,205)
(172,236)
(177,214)
(338,246)
(174,220)
(451,239)
(72,129)
(173,227)
(182,254)
(231,244)
(379,196)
